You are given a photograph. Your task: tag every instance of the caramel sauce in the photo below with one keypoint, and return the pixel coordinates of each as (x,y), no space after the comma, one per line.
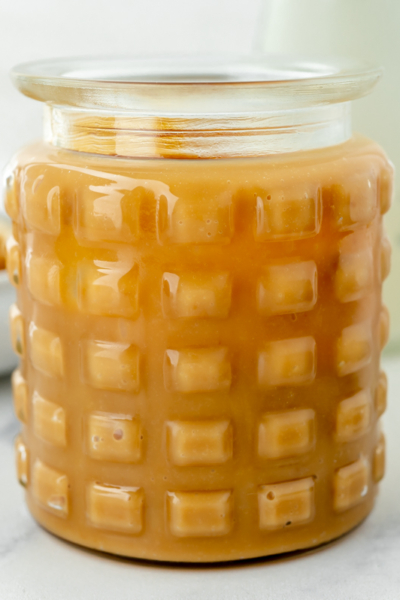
(200,344)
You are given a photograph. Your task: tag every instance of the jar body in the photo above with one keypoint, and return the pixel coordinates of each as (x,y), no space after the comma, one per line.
(200,344)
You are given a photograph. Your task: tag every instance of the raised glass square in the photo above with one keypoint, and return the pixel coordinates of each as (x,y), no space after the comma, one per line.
(197,370)
(13,262)
(11,203)
(386,188)
(111,365)
(20,395)
(354,348)
(379,460)
(199,442)
(287,362)
(381,394)
(386,258)
(200,514)
(196,295)
(44,279)
(108,208)
(114,437)
(354,276)
(355,202)
(353,417)
(287,288)
(115,508)
(50,489)
(195,220)
(108,288)
(350,485)
(284,434)
(286,504)
(17,328)
(42,199)
(292,212)
(49,421)
(21,461)
(46,351)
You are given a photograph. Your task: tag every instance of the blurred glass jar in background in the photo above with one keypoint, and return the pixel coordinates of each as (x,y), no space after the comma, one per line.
(362,29)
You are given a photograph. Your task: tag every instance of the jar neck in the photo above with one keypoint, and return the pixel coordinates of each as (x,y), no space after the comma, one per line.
(133,135)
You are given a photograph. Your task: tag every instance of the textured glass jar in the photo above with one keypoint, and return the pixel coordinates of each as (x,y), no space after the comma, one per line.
(198,254)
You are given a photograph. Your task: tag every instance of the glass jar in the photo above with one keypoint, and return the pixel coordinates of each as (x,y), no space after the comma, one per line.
(198,254)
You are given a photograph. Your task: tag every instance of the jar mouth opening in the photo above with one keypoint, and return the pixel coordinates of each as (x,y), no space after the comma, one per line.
(183,70)
(190,85)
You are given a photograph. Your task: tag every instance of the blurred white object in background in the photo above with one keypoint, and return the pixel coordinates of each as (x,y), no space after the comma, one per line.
(8,359)
(363,29)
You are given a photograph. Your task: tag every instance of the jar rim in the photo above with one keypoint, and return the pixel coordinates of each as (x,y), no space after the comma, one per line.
(195,85)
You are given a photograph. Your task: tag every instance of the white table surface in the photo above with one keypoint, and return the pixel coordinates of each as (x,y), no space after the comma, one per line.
(364,565)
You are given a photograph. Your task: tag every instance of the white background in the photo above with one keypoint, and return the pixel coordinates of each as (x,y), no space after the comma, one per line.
(39,29)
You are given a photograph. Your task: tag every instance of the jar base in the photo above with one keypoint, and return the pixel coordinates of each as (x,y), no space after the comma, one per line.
(139,548)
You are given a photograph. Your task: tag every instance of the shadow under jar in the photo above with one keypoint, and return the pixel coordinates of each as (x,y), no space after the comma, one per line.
(198,253)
